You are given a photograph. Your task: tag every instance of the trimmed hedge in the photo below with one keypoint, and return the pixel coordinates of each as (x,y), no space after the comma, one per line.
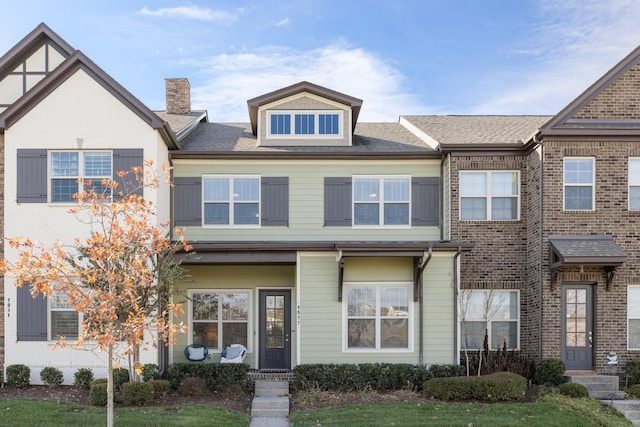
(632,370)
(18,375)
(573,390)
(549,372)
(150,371)
(98,392)
(137,393)
(217,376)
(51,376)
(160,388)
(83,377)
(494,387)
(373,376)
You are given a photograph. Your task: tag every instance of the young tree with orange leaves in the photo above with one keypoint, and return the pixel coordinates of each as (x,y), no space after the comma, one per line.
(119,278)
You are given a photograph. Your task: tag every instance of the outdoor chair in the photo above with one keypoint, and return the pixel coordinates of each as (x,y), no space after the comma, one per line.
(234,353)
(196,352)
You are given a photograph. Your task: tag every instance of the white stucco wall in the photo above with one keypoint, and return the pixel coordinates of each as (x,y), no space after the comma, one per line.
(79,108)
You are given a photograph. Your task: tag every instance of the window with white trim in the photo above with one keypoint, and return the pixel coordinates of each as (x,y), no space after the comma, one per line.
(72,172)
(494,311)
(634,184)
(231,200)
(318,124)
(489,195)
(64,321)
(219,318)
(378,316)
(633,317)
(381,201)
(579,183)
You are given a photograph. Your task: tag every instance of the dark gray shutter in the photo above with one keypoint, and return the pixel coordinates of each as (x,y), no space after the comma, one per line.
(31,316)
(187,201)
(337,201)
(275,201)
(425,203)
(32,176)
(123,160)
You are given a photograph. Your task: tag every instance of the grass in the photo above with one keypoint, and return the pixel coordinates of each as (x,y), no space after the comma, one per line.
(550,410)
(21,412)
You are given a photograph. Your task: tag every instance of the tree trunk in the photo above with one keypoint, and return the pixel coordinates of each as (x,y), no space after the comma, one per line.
(110,388)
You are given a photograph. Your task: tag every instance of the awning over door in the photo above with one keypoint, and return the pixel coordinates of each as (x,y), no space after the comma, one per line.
(586,250)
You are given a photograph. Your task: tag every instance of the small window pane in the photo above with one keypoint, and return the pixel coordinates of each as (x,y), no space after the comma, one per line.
(361,302)
(97,164)
(62,190)
(634,198)
(633,302)
(280,124)
(504,208)
(305,124)
(205,334)
(634,333)
(245,213)
(473,208)
(504,332)
(366,214)
(578,171)
(235,306)
(473,183)
(328,124)
(64,324)
(578,198)
(396,214)
(396,190)
(216,213)
(504,183)
(394,302)
(472,335)
(361,333)
(394,333)
(634,171)
(216,189)
(246,189)
(205,306)
(234,333)
(65,164)
(366,190)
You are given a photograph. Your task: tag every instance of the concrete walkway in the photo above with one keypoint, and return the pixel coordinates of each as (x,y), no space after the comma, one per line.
(270,405)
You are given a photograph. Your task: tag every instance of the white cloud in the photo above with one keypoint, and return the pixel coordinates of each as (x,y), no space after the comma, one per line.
(232,79)
(191,12)
(573,43)
(282,22)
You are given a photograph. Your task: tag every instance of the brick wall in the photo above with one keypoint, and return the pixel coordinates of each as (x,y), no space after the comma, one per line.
(611,217)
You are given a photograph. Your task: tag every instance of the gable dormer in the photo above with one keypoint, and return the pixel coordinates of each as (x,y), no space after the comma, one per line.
(609,107)
(29,61)
(304,114)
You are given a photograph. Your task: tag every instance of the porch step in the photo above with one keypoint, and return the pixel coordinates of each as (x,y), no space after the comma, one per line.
(270,405)
(599,386)
(629,408)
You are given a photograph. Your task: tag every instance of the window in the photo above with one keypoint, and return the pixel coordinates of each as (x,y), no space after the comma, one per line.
(634,184)
(377,317)
(381,201)
(64,319)
(231,200)
(579,184)
(633,317)
(220,318)
(75,171)
(493,311)
(489,195)
(309,123)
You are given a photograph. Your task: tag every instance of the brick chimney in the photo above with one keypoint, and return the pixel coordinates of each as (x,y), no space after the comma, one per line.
(178,95)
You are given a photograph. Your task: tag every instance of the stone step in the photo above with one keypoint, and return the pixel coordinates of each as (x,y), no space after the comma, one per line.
(269,422)
(270,403)
(269,413)
(627,405)
(279,385)
(600,387)
(594,379)
(607,395)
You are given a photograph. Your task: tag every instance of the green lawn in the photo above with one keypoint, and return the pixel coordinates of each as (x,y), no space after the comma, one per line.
(551,410)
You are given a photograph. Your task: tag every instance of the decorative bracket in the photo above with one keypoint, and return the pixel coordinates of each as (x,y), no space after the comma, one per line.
(609,272)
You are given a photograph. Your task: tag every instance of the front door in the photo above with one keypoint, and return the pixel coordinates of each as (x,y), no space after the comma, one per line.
(275,329)
(577,327)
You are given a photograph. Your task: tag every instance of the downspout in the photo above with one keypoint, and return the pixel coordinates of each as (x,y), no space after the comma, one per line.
(540,235)
(456,287)
(421,307)
(441,198)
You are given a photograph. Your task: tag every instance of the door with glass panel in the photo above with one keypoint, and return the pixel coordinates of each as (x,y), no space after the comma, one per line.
(577,327)
(275,329)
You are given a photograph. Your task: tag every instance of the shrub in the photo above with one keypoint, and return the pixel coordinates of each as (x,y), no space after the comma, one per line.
(502,360)
(83,377)
(160,388)
(51,376)
(498,386)
(18,375)
(573,390)
(634,391)
(632,370)
(150,371)
(98,392)
(137,393)
(193,386)
(549,372)
(120,376)
(216,375)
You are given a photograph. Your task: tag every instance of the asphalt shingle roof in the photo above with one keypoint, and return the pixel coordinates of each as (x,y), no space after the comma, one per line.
(178,122)
(587,249)
(478,129)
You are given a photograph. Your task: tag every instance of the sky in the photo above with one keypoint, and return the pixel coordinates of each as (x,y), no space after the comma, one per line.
(401,57)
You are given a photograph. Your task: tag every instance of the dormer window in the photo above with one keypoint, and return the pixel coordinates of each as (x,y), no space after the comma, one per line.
(296,124)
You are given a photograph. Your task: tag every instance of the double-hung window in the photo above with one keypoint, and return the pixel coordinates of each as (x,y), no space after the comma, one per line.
(75,171)
(321,124)
(492,311)
(231,200)
(378,316)
(489,195)
(579,183)
(634,184)
(381,201)
(64,320)
(220,318)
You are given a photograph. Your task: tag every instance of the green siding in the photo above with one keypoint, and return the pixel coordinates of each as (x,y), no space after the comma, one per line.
(306,204)
(321,314)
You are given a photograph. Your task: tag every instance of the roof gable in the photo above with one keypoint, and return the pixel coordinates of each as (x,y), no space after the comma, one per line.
(354,103)
(609,106)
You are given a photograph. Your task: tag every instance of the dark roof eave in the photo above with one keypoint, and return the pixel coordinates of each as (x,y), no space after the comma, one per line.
(582,131)
(475,148)
(303,155)
(593,260)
